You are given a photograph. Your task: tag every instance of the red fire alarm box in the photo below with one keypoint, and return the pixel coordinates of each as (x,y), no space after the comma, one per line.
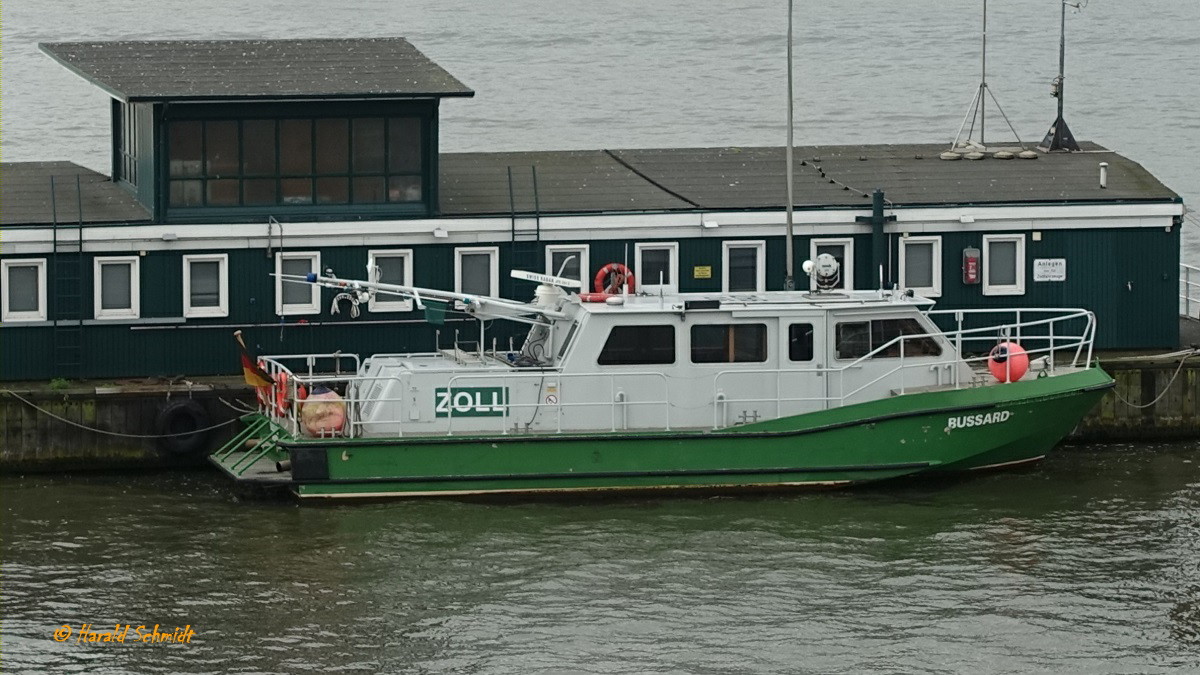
(970,266)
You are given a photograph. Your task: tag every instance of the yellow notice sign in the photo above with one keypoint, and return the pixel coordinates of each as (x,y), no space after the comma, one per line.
(702,272)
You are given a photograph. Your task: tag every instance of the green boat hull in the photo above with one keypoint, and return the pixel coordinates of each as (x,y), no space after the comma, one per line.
(928,432)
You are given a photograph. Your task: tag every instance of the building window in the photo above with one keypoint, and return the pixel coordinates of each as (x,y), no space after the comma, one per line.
(577,264)
(206,285)
(393,266)
(656,267)
(800,342)
(842,250)
(117,292)
(321,160)
(858,338)
(477,270)
(921,265)
(744,267)
(24,290)
(638,346)
(293,297)
(1003,264)
(729,343)
(127,118)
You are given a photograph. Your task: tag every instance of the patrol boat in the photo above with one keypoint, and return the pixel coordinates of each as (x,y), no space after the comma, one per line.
(721,392)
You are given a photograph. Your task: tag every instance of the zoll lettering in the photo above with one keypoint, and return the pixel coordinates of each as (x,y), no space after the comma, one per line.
(982,419)
(470,402)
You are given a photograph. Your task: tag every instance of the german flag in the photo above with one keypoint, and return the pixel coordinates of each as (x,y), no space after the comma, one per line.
(255,376)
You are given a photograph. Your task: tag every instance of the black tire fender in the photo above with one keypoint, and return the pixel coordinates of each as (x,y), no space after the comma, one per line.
(179,416)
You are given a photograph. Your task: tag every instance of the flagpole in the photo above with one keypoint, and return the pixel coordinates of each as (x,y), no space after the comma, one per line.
(789,281)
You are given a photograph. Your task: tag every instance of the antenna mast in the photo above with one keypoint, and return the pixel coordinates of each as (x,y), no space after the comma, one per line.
(977,110)
(789,280)
(1059,137)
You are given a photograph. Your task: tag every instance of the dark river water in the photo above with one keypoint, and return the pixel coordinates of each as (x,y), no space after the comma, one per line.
(1088,563)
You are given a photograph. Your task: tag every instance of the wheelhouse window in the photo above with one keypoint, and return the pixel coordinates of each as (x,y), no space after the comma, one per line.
(477,270)
(842,250)
(1003,264)
(575,259)
(729,343)
(393,266)
(206,285)
(656,267)
(856,339)
(745,266)
(800,342)
(638,345)
(291,297)
(116,285)
(23,283)
(296,161)
(921,265)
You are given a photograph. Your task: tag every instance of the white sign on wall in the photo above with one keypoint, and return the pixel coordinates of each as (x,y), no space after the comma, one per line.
(1050,269)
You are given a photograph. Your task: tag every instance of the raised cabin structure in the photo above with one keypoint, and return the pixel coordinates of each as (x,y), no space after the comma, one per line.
(235,159)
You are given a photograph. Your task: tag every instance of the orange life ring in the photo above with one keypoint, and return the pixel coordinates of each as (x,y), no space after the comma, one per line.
(594,297)
(281,392)
(623,276)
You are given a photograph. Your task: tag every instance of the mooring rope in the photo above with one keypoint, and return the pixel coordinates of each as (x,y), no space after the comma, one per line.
(73,423)
(1166,388)
(243,408)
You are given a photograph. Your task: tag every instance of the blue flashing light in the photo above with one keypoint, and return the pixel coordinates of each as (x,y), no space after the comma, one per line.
(311,277)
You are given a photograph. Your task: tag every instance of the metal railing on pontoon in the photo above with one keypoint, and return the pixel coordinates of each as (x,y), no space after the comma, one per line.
(1189,291)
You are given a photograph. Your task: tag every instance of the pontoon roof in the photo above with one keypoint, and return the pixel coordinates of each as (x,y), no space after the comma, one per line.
(212,70)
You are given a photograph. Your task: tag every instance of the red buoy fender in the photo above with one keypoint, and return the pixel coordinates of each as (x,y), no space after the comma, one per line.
(594,297)
(1008,362)
(623,274)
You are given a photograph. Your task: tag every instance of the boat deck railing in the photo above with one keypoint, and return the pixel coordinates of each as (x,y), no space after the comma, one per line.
(1052,338)
(1047,337)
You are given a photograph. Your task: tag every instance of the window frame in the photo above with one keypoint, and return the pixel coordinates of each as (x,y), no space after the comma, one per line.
(672,264)
(493,271)
(314,304)
(729,339)
(934,291)
(760,263)
(377,305)
(222,308)
(872,325)
(674,343)
(135,287)
(847,271)
(1020,273)
(7,315)
(812,340)
(585,268)
(395,124)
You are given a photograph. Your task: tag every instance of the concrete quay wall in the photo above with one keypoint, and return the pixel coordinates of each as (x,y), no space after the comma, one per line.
(33,440)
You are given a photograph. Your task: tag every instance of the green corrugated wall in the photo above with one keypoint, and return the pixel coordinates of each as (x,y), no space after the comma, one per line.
(1128,277)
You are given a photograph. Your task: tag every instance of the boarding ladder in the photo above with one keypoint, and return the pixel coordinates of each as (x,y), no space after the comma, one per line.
(67,273)
(238,455)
